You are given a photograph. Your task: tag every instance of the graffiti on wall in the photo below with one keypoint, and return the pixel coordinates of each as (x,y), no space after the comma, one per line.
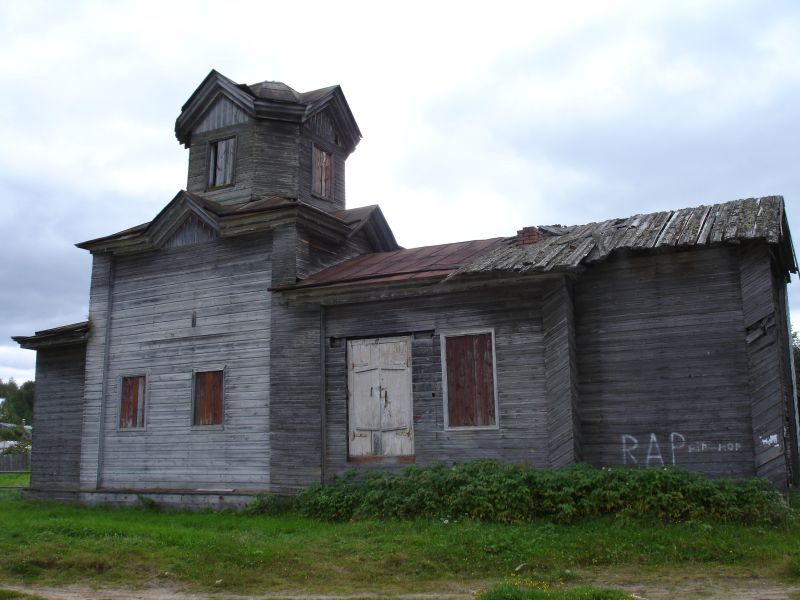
(652,451)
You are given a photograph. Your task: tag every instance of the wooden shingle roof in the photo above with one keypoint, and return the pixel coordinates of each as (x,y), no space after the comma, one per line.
(566,248)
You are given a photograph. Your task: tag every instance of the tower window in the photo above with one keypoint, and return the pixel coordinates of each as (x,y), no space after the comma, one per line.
(221,156)
(322,173)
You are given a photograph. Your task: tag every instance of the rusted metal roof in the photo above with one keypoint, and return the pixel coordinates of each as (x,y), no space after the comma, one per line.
(565,248)
(426,262)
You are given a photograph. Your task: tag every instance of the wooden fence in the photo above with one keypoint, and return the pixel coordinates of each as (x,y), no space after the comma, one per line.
(15,462)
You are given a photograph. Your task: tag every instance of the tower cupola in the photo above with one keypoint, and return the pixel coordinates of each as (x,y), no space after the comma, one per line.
(248,142)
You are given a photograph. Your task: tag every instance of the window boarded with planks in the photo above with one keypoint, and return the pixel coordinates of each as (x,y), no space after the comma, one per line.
(221,157)
(208,404)
(469,378)
(322,173)
(131,408)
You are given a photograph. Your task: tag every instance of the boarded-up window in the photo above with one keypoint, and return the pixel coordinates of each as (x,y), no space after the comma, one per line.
(469,379)
(321,183)
(208,398)
(131,408)
(221,156)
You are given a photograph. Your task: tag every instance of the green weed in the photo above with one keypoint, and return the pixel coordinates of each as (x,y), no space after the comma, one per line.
(14,479)
(490,491)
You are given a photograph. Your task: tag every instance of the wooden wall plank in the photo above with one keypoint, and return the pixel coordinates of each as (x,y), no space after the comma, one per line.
(773,420)
(662,364)
(515,316)
(58,418)
(176,311)
(563,408)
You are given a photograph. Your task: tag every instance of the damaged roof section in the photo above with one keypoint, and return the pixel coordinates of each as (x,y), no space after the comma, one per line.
(406,265)
(566,248)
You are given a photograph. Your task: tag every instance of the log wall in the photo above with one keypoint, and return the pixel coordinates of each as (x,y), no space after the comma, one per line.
(174,312)
(662,363)
(58,418)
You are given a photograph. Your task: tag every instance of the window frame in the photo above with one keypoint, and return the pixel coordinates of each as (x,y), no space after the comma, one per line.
(145,399)
(207,369)
(443,335)
(314,148)
(212,154)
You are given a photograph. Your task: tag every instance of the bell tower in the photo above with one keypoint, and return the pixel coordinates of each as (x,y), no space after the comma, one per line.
(266,140)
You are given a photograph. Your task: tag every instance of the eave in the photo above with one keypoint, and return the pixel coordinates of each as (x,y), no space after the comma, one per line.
(67,335)
(225,222)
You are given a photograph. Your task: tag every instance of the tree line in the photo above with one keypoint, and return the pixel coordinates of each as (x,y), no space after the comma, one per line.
(16,402)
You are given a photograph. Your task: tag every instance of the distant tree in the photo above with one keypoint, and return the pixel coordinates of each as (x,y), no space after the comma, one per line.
(796,352)
(17,402)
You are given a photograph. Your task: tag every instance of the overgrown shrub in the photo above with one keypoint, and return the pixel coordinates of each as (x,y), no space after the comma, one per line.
(486,490)
(270,504)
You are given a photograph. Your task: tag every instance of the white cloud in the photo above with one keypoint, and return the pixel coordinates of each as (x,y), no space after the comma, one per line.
(478,119)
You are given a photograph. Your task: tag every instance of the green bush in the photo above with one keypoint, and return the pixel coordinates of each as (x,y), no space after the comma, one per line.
(270,504)
(487,490)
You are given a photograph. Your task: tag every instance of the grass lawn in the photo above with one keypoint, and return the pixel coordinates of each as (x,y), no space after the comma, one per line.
(46,543)
(14,479)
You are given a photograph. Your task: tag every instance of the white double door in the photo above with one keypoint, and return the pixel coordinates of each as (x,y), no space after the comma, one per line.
(379,401)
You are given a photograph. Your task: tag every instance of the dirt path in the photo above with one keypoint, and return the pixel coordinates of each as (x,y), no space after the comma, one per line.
(705,589)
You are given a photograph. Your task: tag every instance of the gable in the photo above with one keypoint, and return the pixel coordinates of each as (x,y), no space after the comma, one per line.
(193,231)
(223,113)
(321,125)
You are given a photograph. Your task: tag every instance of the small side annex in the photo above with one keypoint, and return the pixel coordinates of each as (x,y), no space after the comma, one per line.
(657,340)
(259,336)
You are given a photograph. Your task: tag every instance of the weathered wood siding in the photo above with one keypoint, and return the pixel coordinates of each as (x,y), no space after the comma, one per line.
(662,363)
(58,417)
(295,442)
(515,315)
(266,162)
(563,411)
(770,384)
(314,254)
(93,391)
(320,130)
(223,113)
(243,169)
(275,159)
(199,307)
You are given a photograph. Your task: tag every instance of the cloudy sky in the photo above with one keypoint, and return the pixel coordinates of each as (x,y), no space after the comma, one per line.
(477,118)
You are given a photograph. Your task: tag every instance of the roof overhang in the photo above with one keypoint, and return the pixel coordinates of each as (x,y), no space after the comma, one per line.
(67,335)
(244,219)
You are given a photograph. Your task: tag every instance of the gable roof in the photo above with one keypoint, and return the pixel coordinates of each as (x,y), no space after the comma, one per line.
(408,264)
(567,248)
(240,218)
(268,100)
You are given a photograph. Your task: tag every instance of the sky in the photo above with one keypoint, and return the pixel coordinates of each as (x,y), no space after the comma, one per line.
(477,118)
